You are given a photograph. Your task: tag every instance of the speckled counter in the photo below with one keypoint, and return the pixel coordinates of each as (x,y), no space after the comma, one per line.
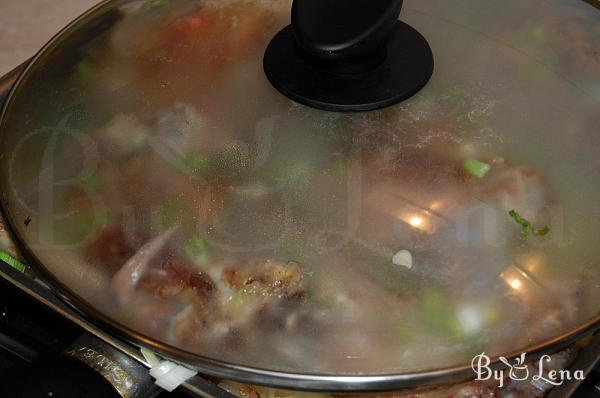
(26,25)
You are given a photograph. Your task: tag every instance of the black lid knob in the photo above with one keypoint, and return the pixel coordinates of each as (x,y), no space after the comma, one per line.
(350,55)
(334,30)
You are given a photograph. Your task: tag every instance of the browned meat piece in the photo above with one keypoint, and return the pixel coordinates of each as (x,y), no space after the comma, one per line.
(175,278)
(110,249)
(237,277)
(259,289)
(284,280)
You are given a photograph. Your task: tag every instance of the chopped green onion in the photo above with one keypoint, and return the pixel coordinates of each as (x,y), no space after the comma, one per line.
(526,226)
(13,262)
(437,315)
(538,33)
(197,164)
(153,4)
(476,168)
(518,218)
(85,70)
(92,183)
(197,252)
(545,230)
(150,357)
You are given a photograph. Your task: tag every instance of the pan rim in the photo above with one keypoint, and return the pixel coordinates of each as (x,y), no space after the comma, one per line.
(228,370)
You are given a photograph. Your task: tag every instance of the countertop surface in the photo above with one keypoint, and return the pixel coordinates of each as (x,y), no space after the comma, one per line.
(26,25)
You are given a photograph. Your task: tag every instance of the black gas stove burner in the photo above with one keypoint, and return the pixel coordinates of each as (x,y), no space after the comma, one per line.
(31,335)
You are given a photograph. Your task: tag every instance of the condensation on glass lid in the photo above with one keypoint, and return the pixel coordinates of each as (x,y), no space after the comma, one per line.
(171,187)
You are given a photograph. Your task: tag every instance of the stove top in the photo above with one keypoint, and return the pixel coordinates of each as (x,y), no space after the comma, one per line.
(31,332)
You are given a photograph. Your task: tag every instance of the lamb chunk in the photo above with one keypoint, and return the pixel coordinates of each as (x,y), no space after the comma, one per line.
(277,273)
(110,249)
(237,277)
(174,278)
(284,279)
(261,290)
(273,277)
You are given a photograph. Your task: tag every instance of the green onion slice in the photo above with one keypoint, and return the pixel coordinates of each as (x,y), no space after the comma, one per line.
(526,227)
(13,262)
(476,168)
(154,4)
(198,164)
(197,251)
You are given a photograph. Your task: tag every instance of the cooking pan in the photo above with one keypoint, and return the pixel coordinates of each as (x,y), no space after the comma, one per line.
(315,206)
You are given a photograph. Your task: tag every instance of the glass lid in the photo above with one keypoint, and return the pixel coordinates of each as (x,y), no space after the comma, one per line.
(171,193)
